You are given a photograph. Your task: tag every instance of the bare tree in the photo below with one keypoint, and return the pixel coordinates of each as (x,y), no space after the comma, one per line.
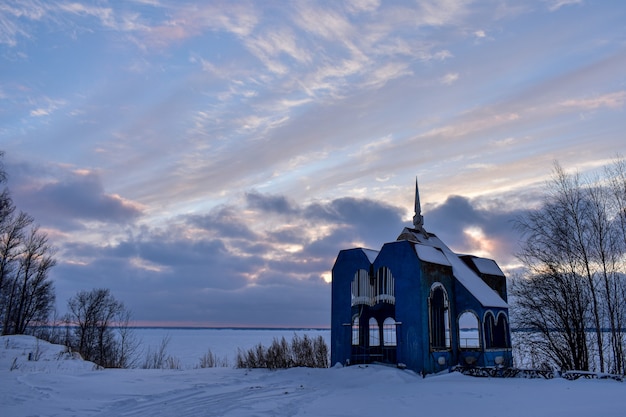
(616,173)
(573,250)
(12,235)
(577,231)
(605,253)
(30,292)
(93,318)
(127,343)
(26,292)
(552,306)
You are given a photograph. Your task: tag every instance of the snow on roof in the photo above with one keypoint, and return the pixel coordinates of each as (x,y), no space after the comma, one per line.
(432,255)
(463,273)
(487,266)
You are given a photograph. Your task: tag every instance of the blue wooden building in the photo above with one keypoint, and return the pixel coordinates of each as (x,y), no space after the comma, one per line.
(418,304)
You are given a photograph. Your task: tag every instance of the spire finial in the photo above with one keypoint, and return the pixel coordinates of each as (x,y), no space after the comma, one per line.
(418,219)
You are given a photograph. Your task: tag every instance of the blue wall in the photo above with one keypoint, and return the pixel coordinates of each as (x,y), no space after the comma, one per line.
(413,281)
(348,262)
(401,259)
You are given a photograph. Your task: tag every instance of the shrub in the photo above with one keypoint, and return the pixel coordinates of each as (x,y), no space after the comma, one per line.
(160,359)
(302,352)
(210,360)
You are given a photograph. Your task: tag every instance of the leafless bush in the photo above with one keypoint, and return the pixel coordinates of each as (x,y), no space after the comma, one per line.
(160,359)
(279,354)
(320,350)
(302,352)
(172,363)
(211,360)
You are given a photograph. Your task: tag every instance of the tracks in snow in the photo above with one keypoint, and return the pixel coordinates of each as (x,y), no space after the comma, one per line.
(265,394)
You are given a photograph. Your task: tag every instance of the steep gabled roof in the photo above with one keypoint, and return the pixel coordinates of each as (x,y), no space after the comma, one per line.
(430,248)
(432,255)
(485,266)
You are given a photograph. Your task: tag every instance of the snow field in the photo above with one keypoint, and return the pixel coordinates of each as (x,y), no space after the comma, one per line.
(59,384)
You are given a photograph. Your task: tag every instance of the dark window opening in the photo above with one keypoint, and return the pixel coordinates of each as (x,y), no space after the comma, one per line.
(495,332)
(439,318)
(374,337)
(499,332)
(488,327)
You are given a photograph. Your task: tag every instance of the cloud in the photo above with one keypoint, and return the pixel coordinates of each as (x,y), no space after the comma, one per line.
(479,226)
(64,196)
(325,23)
(610,100)
(449,78)
(191,20)
(359,6)
(270,203)
(440,13)
(384,73)
(554,5)
(273,44)
(168,275)
(15,17)
(223,268)
(366,221)
(222,221)
(50,106)
(18,17)
(104,14)
(243,264)
(260,136)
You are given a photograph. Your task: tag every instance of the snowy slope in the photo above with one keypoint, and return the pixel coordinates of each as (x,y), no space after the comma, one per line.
(44,356)
(66,387)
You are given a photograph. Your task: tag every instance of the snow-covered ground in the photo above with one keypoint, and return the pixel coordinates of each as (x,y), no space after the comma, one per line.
(59,384)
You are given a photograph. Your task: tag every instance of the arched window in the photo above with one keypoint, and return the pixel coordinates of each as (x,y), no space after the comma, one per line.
(389,332)
(374,332)
(488,329)
(495,331)
(385,291)
(439,317)
(355,331)
(500,332)
(361,289)
(469,331)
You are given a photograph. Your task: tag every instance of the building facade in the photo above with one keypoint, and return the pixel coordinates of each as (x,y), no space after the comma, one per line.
(416,304)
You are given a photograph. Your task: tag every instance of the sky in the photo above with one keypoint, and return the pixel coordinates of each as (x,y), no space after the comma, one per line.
(207,161)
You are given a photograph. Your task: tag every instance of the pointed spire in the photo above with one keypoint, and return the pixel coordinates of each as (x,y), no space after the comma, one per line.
(418,219)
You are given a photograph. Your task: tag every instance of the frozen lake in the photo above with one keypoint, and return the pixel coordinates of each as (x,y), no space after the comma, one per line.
(190,344)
